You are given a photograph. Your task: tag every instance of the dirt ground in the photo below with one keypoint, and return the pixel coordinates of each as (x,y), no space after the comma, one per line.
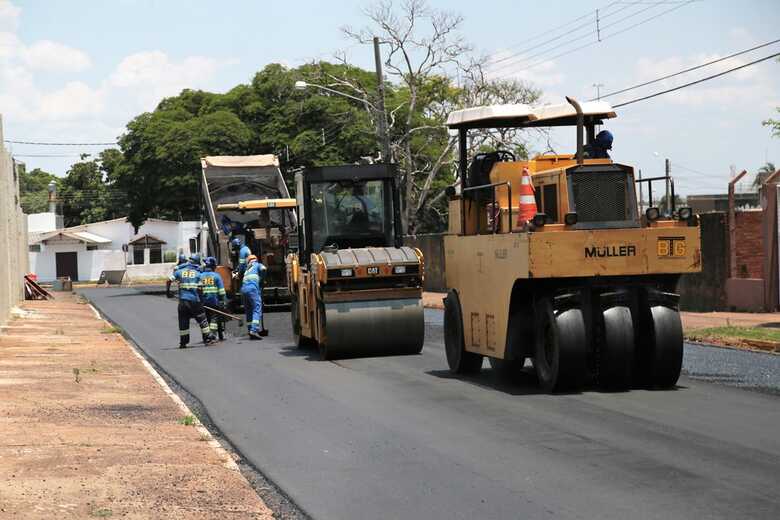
(691,320)
(87,431)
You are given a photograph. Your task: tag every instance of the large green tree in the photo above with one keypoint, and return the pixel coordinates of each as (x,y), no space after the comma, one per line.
(88,193)
(34,189)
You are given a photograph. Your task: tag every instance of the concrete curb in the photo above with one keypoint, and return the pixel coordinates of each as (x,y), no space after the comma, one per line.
(229,462)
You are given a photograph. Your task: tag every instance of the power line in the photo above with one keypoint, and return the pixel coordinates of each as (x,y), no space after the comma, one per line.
(621,31)
(690,69)
(39,143)
(595,33)
(45,155)
(702,80)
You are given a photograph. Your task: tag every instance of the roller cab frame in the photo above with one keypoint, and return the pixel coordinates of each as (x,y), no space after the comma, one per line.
(587,288)
(356,290)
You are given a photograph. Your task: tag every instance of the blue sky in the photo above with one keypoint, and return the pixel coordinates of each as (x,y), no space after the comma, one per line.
(79,70)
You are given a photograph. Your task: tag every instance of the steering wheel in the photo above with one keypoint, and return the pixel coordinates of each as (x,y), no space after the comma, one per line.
(504,156)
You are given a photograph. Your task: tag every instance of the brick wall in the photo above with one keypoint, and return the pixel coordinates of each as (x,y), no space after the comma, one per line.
(750,252)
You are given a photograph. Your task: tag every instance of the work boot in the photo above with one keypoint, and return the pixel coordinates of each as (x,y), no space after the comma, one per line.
(182,345)
(208,340)
(253,334)
(264,332)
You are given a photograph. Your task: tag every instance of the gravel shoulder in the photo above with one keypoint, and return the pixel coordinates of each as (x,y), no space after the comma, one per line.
(89,432)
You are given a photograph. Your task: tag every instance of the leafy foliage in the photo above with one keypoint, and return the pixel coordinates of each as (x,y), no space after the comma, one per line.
(33,189)
(88,192)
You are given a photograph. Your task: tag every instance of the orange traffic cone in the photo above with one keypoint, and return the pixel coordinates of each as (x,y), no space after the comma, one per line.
(527,207)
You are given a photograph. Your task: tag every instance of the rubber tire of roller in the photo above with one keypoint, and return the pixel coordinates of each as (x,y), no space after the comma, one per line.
(616,356)
(560,356)
(459,360)
(666,347)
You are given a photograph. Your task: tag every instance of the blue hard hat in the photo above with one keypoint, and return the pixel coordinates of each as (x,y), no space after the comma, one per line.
(195,258)
(604,139)
(236,241)
(182,258)
(210,262)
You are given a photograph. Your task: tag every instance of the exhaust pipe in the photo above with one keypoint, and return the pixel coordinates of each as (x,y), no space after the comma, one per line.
(580,128)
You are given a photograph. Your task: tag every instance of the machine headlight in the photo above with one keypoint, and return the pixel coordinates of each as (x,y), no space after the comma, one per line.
(539,219)
(684,213)
(652,214)
(570,219)
(399,269)
(346,272)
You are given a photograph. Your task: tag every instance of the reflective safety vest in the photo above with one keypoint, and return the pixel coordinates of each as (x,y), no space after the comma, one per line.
(243,253)
(213,288)
(253,278)
(189,282)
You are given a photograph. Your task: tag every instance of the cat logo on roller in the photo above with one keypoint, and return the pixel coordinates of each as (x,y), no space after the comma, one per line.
(584,285)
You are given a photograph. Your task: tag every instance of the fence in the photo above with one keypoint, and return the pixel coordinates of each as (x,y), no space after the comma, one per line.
(13,235)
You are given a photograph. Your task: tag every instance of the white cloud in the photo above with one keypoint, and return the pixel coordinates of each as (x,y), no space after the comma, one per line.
(52,56)
(9,16)
(152,75)
(74,100)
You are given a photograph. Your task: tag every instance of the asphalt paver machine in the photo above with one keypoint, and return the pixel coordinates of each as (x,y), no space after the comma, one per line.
(356,289)
(586,288)
(246,197)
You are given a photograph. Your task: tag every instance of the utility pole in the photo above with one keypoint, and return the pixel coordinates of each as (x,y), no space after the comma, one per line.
(641,195)
(598,86)
(668,175)
(380,105)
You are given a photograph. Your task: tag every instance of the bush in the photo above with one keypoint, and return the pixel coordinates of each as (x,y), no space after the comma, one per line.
(169,256)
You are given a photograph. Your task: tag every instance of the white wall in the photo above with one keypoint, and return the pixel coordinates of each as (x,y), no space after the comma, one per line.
(39,222)
(140,272)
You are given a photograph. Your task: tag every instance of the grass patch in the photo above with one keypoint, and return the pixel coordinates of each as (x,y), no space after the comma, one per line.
(111,330)
(755,333)
(187,420)
(102,512)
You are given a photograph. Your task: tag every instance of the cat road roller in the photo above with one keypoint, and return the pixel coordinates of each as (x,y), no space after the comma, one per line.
(585,287)
(356,290)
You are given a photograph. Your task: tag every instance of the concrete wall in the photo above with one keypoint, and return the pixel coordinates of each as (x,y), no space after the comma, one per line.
(750,250)
(13,235)
(432,247)
(706,291)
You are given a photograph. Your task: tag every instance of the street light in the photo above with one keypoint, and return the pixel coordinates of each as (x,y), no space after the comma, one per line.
(303,85)
(379,109)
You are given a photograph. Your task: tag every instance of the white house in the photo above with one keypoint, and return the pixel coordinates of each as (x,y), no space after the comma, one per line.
(83,252)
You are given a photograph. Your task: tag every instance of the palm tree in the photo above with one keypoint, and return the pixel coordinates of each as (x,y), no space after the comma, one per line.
(763,173)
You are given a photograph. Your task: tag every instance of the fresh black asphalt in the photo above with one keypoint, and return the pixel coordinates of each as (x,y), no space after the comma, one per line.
(398,437)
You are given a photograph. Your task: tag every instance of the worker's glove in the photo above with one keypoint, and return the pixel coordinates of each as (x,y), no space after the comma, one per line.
(168,294)
(235,276)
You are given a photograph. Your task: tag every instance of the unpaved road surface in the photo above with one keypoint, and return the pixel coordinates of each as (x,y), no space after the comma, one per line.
(398,437)
(105,441)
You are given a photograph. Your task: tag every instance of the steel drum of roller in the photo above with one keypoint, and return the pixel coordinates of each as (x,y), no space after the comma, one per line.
(376,327)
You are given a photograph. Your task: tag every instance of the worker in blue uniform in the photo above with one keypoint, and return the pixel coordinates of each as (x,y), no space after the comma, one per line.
(181,263)
(213,296)
(243,254)
(252,292)
(190,303)
(599,148)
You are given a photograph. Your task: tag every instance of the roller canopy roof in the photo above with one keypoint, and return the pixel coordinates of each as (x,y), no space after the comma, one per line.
(510,116)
